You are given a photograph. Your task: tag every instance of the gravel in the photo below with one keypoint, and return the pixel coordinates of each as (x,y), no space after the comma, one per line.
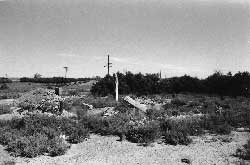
(207,149)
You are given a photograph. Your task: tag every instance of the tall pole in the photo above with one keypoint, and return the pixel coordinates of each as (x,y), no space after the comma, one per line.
(108,65)
(66,70)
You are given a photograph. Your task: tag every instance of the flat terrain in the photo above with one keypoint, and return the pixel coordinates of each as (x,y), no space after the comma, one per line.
(207,149)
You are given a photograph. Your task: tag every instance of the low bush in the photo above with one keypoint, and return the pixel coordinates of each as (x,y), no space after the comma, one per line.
(40,99)
(217,124)
(4,109)
(57,146)
(114,125)
(192,126)
(4,86)
(177,131)
(35,135)
(154,114)
(244,153)
(247,151)
(175,137)
(144,134)
(177,102)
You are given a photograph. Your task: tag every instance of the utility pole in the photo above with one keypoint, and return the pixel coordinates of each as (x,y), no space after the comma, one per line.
(66,70)
(108,65)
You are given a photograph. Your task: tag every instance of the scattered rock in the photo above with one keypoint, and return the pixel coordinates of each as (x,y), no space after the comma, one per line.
(242,129)
(136,104)
(185,160)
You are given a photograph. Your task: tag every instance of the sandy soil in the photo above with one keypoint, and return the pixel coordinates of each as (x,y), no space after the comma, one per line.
(101,150)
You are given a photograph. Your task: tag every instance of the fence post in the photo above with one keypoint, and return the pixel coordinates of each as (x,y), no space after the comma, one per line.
(116,87)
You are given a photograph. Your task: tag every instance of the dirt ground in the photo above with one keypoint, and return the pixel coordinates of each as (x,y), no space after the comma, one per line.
(205,150)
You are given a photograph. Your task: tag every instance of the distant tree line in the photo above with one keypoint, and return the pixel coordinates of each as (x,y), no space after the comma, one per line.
(56,80)
(5,80)
(140,84)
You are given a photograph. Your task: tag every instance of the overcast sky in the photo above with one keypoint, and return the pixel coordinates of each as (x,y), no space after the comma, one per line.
(178,37)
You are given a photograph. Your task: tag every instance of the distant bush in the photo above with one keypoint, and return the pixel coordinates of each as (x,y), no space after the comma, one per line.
(57,80)
(138,84)
(5,80)
(145,84)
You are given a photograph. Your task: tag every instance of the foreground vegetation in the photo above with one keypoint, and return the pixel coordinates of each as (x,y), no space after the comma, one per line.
(49,133)
(186,115)
(35,135)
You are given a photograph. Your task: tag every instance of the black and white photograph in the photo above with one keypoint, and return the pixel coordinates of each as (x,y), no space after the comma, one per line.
(124,82)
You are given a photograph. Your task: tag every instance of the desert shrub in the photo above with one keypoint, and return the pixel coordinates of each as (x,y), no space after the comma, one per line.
(190,125)
(8,135)
(79,134)
(9,162)
(28,146)
(119,123)
(244,152)
(57,146)
(34,135)
(40,99)
(175,137)
(76,131)
(177,102)
(50,87)
(177,131)
(239,116)
(95,123)
(217,124)
(4,86)
(73,92)
(4,109)
(223,128)
(144,134)
(193,104)
(154,114)
(114,125)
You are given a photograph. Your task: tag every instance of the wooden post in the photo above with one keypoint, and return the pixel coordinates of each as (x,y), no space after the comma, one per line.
(116,87)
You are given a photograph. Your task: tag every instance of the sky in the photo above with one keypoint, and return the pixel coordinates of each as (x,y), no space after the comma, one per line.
(194,37)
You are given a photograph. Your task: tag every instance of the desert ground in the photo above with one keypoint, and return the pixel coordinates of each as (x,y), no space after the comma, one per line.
(207,148)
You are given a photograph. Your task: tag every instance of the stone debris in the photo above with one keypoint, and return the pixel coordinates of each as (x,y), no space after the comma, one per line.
(88,105)
(242,129)
(109,111)
(184,160)
(136,104)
